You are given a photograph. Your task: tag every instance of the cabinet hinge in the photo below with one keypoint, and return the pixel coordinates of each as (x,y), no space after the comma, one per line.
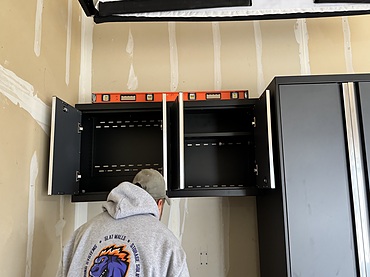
(255,170)
(254,123)
(79,128)
(78,176)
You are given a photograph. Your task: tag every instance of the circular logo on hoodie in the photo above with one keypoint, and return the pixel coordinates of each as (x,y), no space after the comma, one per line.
(113,255)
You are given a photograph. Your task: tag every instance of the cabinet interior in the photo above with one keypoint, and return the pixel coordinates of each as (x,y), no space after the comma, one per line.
(218,142)
(117,145)
(218,147)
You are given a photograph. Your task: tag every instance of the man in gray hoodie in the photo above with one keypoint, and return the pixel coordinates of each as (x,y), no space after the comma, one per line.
(127,238)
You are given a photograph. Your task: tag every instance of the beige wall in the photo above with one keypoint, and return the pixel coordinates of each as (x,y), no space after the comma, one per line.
(225,55)
(29,241)
(140,57)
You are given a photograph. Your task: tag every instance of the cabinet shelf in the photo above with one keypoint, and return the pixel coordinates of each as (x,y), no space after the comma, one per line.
(246,191)
(216,134)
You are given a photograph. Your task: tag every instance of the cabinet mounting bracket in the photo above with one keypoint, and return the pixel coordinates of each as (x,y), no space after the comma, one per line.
(78,176)
(254,122)
(79,128)
(256,169)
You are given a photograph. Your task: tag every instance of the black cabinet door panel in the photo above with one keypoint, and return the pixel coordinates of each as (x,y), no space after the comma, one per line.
(315,174)
(65,145)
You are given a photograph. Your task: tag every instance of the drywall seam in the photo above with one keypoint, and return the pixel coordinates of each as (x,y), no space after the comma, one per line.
(301,36)
(132,82)
(87,27)
(59,229)
(38,27)
(347,45)
(31,213)
(225,235)
(68,46)
(81,210)
(21,93)
(258,42)
(130,44)
(217,55)
(174,218)
(173,56)
(59,226)
(185,213)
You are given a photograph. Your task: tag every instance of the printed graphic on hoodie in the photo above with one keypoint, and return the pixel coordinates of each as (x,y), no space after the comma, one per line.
(112,261)
(113,256)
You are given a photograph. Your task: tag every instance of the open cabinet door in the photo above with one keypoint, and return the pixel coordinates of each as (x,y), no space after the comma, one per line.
(265,176)
(65,143)
(175,140)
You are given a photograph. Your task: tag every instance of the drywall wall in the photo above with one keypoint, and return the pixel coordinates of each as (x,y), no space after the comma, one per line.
(39,47)
(49,48)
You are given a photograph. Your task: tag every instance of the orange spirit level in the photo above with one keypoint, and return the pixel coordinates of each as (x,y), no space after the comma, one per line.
(122,97)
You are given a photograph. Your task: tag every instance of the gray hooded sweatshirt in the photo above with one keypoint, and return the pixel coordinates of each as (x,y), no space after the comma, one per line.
(126,239)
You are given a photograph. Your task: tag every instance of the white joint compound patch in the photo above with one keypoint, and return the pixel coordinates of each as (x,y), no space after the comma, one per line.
(59,226)
(347,45)
(31,212)
(185,213)
(217,55)
(301,36)
(21,93)
(174,220)
(130,44)
(38,27)
(225,219)
(173,56)
(258,41)
(132,82)
(81,211)
(174,217)
(68,47)
(87,28)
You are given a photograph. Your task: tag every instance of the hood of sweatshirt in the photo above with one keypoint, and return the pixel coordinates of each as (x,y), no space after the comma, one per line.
(128,199)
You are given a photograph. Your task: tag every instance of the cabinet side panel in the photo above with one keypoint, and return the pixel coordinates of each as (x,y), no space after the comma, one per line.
(271,235)
(317,185)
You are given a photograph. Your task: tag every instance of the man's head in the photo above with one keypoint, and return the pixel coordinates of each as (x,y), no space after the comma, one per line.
(152,181)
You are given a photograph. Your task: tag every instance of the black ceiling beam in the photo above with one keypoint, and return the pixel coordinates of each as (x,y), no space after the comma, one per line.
(112,18)
(341,1)
(88,7)
(140,6)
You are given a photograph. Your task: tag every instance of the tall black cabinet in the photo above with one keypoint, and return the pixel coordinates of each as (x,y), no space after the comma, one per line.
(316,221)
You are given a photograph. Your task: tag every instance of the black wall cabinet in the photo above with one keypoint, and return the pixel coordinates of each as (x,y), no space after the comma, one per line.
(316,222)
(203,148)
